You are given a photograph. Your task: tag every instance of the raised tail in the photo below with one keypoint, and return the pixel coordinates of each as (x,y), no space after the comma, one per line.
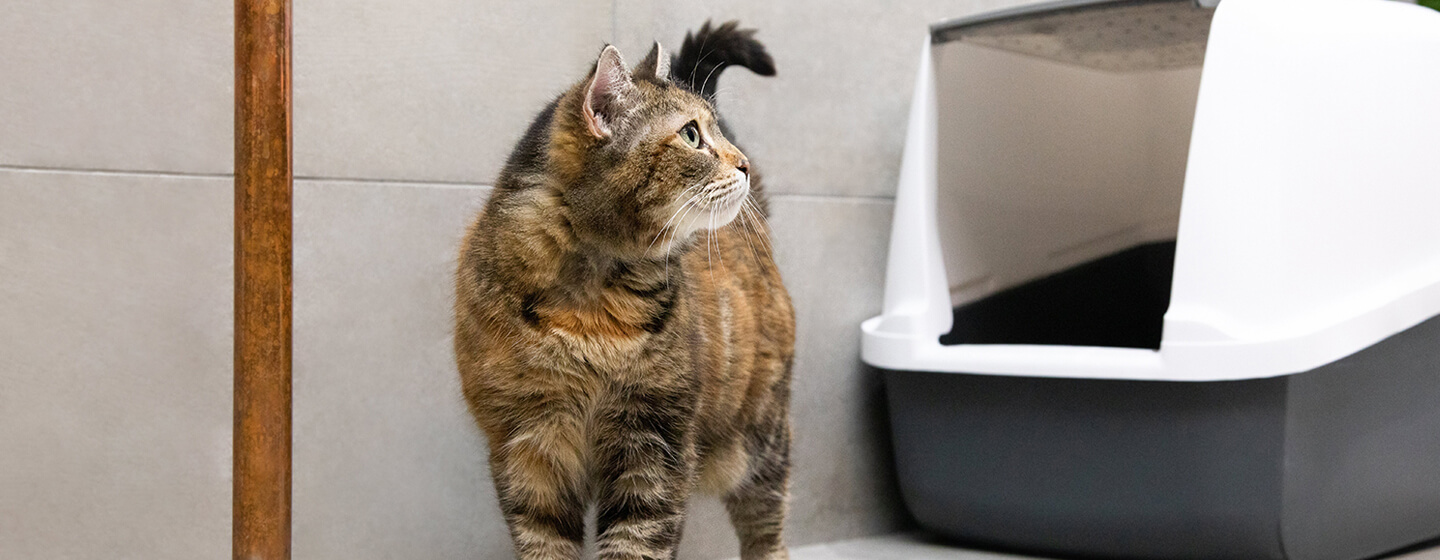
(706,53)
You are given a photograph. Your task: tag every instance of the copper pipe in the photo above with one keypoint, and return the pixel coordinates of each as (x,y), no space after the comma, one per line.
(263,182)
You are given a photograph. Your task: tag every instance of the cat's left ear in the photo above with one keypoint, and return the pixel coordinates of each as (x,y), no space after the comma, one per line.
(609,94)
(656,65)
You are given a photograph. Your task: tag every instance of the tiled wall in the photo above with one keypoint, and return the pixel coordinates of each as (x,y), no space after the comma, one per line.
(115,257)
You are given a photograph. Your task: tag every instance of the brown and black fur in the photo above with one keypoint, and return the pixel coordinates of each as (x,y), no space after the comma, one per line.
(613,354)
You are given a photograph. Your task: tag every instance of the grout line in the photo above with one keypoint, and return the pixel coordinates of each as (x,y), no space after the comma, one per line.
(832,198)
(419,182)
(113,172)
(194,175)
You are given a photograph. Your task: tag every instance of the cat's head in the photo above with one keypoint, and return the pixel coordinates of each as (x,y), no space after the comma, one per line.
(642,162)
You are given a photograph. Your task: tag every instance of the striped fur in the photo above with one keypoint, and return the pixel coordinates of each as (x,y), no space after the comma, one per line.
(621,330)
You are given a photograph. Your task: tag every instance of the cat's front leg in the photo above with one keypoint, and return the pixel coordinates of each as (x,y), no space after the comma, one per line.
(538,471)
(645,469)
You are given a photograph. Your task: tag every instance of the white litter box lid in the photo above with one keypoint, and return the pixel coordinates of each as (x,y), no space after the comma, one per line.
(1310,220)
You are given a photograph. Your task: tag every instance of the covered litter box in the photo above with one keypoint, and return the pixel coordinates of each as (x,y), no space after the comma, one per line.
(1164,280)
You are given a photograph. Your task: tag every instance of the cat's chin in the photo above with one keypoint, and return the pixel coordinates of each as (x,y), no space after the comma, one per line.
(726,212)
(717,216)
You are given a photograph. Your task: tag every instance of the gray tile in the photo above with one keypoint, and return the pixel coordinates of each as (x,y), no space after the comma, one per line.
(708,533)
(97,84)
(115,366)
(388,463)
(833,120)
(832,254)
(431,89)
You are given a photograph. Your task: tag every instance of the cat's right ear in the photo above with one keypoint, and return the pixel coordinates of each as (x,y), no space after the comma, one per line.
(655,66)
(608,95)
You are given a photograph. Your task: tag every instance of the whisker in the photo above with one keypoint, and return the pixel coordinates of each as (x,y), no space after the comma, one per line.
(703,53)
(750,228)
(765,225)
(714,97)
(670,246)
(719,253)
(747,231)
(756,208)
(672,217)
(716,234)
(707,76)
(708,260)
(762,234)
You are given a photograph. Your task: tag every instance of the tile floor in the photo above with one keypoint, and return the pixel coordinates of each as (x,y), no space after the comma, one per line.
(920,547)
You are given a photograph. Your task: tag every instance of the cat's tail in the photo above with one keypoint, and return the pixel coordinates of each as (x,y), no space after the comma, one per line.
(706,53)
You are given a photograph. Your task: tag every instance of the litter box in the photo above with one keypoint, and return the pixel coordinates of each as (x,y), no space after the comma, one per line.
(1164,280)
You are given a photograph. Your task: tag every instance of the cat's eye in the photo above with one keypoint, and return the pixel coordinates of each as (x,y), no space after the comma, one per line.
(691,134)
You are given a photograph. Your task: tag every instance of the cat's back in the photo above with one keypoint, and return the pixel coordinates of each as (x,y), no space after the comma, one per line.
(515,198)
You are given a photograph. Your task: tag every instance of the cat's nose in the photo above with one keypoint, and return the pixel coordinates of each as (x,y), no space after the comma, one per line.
(743,166)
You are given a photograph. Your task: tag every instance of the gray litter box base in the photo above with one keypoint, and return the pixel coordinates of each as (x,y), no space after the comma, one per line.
(1338,463)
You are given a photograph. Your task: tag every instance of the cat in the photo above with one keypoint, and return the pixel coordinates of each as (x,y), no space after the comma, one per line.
(621,330)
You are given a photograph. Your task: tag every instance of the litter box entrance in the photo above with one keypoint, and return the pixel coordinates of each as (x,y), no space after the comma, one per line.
(1062,137)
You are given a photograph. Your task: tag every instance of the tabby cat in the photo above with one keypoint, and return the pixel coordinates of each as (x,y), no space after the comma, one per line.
(621,330)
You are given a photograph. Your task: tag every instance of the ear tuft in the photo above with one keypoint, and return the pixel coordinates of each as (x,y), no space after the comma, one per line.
(655,66)
(609,93)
